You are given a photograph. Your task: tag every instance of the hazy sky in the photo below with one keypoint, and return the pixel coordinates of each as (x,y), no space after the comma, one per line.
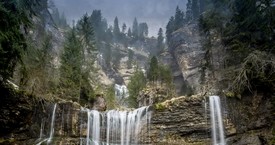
(155,12)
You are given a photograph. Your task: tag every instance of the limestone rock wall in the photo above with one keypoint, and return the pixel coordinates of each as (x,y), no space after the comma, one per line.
(186,120)
(181,120)
(187,56)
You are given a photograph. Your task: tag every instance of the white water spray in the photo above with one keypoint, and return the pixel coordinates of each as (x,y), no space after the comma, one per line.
(41,130)
(216,121)
(52,125)
(116,127)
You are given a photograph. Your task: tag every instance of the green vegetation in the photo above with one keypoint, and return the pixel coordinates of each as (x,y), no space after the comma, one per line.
(77,63)
(159,106)
(15,15)
(160,43)
(110,98)
(142,31)
(153,71)
(35,74)
(135,29)
(136,84)
(116,29)
(194,8)
(70,69)
(159,72)
(246,30)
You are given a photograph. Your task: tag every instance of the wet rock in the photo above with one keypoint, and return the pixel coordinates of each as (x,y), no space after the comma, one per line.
(99,103)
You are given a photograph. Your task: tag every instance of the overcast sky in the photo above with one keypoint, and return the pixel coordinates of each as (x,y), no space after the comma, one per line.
(155,12)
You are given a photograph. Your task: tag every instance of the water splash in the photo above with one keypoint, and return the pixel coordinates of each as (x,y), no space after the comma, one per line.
(216,121)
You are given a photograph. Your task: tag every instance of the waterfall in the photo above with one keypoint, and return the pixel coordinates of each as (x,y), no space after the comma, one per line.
(52,125)
(121,91)
(216,121)
(93,128)
(41,130)
(116,127)
(49,140)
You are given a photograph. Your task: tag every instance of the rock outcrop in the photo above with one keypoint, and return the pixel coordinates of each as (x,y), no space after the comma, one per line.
(186,120)
(181,120)
(188,55)
(25,120)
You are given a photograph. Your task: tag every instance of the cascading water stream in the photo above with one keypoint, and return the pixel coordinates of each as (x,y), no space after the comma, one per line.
(216,121)
(116,127)
(121,93)
(41,130)
(52,125)
(49,140)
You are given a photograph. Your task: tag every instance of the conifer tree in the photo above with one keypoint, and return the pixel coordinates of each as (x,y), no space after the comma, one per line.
(15,17)
(195,9)
(179,19)
(71,65)
(136,84)
(153,72)
(160,44)
(135,29)
(165,75)
(116,30)
(189,14)
(170,27)
(129,33)
(88,57)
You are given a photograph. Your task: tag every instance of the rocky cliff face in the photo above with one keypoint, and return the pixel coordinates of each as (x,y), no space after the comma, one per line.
(248,120)
(187,56)
(181,120)
(26,120)
(186,120)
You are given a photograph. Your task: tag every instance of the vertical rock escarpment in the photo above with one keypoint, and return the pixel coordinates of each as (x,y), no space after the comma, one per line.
(187,56)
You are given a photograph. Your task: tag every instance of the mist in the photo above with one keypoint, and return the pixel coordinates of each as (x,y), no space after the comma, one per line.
(155,13)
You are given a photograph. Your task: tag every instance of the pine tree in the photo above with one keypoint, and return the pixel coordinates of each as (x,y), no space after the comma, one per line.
(135,29)
(136,84)
(189,15)
(86,32)
(15,16)
(165,76)
(99,24)
(116,30)
(179,19)
(89,53)
(153,72)
(36,75)
(107,55)
(160,45)
(195,9)
(71,65)
(170,27)
(129,33)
